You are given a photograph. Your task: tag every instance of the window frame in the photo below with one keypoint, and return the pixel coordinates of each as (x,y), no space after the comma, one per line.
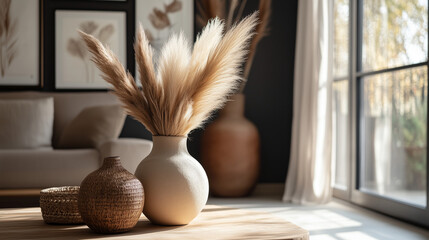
(405,211)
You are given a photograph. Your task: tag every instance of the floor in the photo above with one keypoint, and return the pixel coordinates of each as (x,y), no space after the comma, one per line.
(337,220)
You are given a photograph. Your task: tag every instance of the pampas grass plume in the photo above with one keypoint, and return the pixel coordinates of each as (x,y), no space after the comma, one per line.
(208,9)
(188,84)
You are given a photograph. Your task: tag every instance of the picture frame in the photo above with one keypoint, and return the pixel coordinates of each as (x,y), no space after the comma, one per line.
(73,66)
(160,19)
(20,43)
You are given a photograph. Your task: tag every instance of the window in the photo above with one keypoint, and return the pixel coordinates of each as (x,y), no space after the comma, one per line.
(340,92)
(380,101)
(393,132)
(394,33)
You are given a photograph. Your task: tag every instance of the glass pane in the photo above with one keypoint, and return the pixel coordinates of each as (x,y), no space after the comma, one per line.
(341,38)
(393,135)
(339,134)
(394,33)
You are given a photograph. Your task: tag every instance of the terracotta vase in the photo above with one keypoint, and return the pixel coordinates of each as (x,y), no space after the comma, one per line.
(111,199)
(175,184)
(230,151)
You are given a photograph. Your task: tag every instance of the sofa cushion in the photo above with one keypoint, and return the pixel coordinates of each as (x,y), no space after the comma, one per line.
(26,123)
(93,126)
(67,105)
(41,168)
(131,150)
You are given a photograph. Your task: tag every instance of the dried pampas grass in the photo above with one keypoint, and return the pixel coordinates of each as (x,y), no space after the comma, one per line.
(188,85)
(208,9)
(261,31)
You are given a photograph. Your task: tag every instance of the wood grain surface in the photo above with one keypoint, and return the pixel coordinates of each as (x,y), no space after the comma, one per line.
(215,222)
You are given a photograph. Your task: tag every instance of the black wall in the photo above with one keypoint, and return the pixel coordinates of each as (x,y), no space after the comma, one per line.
(269,92)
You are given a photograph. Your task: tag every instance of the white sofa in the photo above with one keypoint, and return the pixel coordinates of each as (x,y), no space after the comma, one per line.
(37,168)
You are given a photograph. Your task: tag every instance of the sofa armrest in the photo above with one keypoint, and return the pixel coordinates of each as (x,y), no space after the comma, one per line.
(130,150)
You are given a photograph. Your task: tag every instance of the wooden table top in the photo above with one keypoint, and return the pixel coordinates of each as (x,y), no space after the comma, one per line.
(215,222)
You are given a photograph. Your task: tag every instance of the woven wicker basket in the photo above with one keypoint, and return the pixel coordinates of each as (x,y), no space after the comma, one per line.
(59,205)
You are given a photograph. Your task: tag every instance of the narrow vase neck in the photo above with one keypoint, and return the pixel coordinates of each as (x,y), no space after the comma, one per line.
(234,107)
(111,162)
(169,144)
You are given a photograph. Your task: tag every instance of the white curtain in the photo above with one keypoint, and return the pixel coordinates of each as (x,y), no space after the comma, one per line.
(309,174)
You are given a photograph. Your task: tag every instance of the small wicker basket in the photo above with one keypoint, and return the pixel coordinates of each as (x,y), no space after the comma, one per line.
(59,205)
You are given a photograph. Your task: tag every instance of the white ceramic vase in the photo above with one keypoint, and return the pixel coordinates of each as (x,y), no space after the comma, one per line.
(176,185)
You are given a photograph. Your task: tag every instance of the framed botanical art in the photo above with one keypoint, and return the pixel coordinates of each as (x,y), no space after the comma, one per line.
(162,18)
(74,68)
(19,43)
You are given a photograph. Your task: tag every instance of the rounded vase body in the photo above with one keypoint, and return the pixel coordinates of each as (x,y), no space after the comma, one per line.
(176,185)
(230,151)
(111,199)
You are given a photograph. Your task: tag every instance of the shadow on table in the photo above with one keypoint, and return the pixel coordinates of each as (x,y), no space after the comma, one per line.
(38,229)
